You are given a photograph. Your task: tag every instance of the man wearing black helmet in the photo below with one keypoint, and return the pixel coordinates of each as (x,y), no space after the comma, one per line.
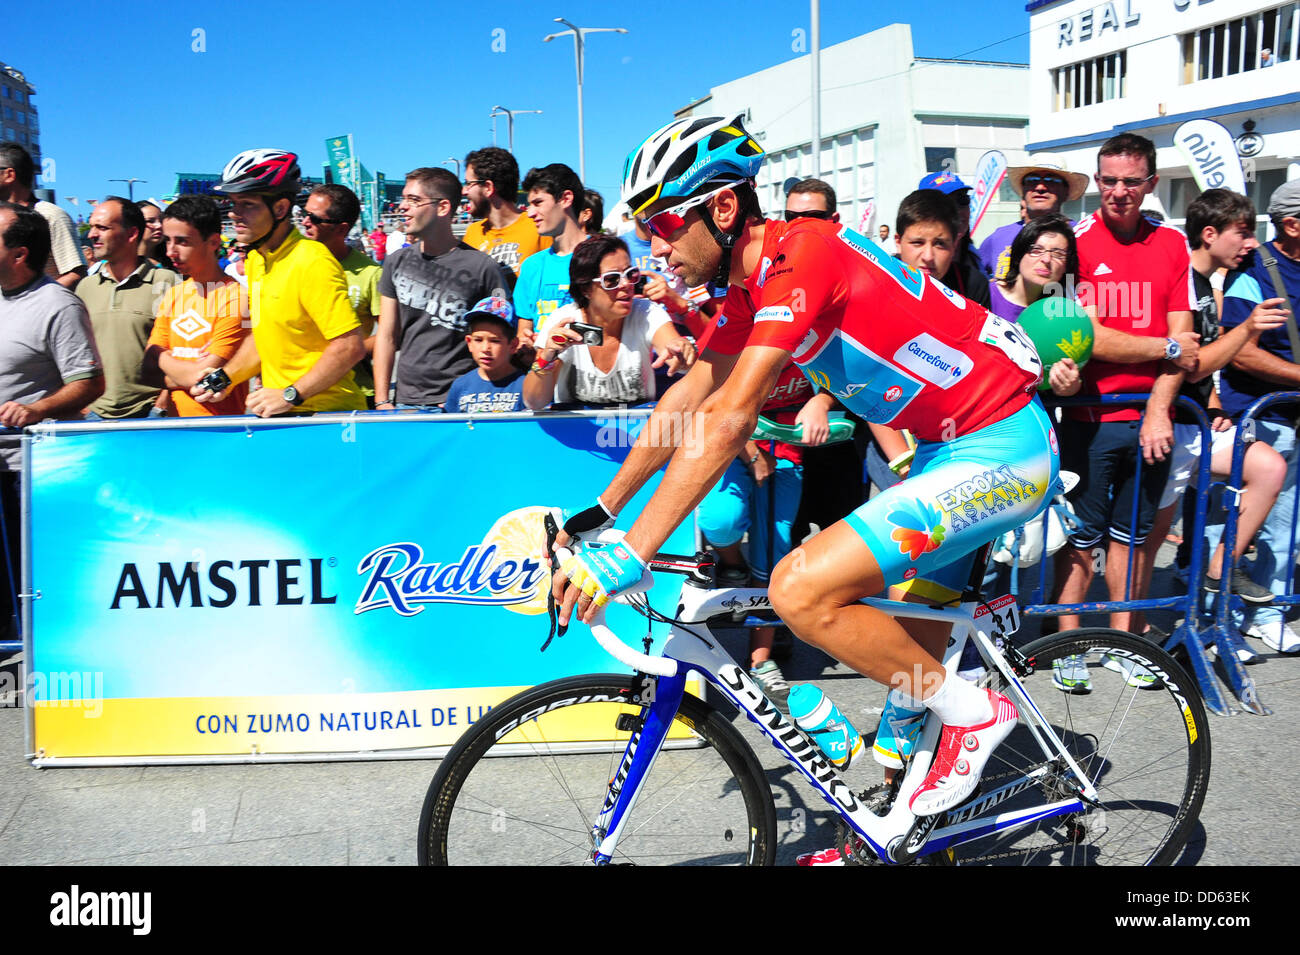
(306,336)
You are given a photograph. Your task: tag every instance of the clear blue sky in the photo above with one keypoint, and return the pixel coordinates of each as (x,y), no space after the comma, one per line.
(120,92)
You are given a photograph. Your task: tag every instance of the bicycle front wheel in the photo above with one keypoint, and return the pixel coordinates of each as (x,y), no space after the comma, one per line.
(1133,721)
(525,785)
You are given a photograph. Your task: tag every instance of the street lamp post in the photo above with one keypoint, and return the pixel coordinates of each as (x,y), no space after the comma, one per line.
(457,162)
(579,42)
(130,186)
(509,114)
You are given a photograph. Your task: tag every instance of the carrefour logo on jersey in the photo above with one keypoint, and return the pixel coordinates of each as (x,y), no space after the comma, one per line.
(774,313)
(929,358)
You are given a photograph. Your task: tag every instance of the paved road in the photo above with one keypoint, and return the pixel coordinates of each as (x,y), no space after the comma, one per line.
(365,813)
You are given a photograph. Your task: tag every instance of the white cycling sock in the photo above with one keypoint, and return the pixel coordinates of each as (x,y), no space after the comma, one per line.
(960,702)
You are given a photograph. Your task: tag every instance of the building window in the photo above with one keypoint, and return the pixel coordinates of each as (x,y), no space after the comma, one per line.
(1238,46)
(940,159)
(1089,82)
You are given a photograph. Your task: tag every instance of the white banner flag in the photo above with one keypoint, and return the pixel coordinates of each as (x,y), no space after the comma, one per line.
(1211,154)
(989,173)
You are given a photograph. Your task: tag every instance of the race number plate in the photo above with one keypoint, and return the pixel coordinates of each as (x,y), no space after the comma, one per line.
(1000,615)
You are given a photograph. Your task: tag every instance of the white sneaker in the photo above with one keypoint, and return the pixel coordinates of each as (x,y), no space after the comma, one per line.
(1136,675)
(1277,635)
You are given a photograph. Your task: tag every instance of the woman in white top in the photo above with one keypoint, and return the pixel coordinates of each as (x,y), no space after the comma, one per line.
(619,370)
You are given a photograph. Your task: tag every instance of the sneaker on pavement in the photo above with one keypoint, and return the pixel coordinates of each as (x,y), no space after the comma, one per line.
(1244,653)
(1277,635)
(1070,675)
(960,758)
(772,681)
(1242,586)
(1137,676)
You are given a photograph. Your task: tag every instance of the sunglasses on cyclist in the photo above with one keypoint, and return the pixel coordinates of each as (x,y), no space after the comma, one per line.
(791,215)
(664,224)
(610,281)
(321,220)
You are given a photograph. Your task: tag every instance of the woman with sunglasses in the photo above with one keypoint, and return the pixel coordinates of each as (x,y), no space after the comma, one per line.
(619,370)
(1042,255)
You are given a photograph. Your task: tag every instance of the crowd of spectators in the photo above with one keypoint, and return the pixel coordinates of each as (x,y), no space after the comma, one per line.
(537,307)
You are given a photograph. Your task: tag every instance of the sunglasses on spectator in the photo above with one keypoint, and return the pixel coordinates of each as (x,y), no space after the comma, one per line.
(1038,179)
(1110,182)
(1037,252)
(791,215)
(665,223)
(474,182)
(610,281)
(321,220)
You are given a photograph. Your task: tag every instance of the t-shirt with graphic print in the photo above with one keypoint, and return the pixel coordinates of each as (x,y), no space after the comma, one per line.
(631,380)
(471,393)
(433,293)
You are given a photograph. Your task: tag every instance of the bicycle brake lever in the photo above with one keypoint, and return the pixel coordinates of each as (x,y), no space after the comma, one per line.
(552,532)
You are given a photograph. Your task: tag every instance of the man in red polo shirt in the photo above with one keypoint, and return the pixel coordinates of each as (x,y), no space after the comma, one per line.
(1134,282)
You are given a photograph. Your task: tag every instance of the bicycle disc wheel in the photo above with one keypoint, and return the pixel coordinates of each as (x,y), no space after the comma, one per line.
(526,783)
(1140,736)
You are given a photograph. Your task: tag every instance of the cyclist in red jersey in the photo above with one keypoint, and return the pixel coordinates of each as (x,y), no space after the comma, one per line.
(896,347)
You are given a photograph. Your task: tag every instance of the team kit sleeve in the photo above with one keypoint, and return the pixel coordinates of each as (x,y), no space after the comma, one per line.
(386,287)
(228,330)
(160,334)
(1182,289)
(63,242)
(1240,300)
(795,292)
(72,343)
(526,290)
(323,294)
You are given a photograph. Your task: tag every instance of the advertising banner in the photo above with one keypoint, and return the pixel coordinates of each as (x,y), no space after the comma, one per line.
(342,159)
(989,173)
(336,584)
(1211,155)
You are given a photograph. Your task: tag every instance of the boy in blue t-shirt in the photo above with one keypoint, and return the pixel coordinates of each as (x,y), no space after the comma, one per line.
(496,385)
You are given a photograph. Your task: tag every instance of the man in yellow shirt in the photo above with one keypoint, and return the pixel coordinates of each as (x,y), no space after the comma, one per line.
(306,336)
(492,188)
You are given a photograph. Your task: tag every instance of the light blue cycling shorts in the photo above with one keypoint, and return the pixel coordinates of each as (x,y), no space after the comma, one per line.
(960,495)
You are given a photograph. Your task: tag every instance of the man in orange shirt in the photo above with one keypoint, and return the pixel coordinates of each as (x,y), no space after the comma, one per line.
(200,322)
(492,188)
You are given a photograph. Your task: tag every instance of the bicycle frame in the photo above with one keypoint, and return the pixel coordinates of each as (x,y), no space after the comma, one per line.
(896,837)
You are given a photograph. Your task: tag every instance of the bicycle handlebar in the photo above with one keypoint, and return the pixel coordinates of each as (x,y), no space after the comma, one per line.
(620,651)
(657,666)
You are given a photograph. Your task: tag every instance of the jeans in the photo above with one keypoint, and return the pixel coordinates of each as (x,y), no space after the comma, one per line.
(1272,568)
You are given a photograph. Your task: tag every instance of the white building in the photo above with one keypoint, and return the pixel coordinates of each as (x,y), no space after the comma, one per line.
(887,118)
(1147,66)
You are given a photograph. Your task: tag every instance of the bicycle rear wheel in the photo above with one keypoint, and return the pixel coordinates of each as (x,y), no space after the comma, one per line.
(1145,748)
(526,783)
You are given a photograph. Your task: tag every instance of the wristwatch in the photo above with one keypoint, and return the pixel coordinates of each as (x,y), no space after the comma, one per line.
(1173,350)
(291,395)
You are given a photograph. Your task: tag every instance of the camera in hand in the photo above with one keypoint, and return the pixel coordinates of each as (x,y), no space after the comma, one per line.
(591,334)
(216,380)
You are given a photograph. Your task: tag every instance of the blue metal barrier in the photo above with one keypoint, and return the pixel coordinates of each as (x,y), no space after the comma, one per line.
(1187,634)
(1222,627)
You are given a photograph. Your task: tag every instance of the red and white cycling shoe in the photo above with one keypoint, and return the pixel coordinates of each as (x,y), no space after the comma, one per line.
(963,751)
(830,856)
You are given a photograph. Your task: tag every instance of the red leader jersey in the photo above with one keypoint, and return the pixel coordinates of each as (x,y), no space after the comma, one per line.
(897,347)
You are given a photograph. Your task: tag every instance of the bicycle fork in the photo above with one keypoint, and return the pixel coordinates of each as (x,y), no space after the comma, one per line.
(661,696)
